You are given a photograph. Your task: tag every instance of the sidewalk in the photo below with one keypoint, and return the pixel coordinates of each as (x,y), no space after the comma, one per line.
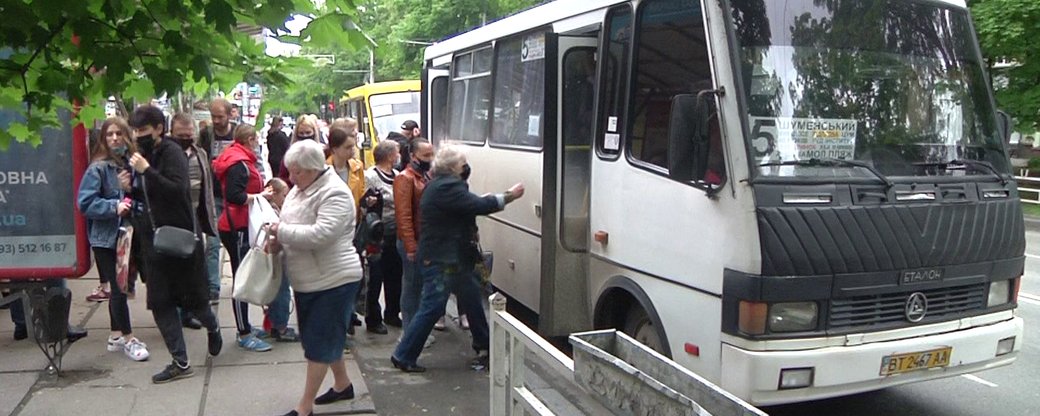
(96,381)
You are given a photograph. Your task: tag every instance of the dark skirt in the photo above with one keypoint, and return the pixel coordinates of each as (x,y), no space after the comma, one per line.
(322,318)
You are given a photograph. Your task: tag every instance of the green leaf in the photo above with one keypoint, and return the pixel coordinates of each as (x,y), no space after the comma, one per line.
(327,31)
(220,14)
(91,113)
(19,131)
(140,89)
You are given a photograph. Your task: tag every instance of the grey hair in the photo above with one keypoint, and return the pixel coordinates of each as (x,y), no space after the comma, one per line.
(448,158)
(383,150)
(305,154)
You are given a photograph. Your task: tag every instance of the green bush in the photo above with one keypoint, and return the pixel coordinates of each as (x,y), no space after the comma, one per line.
(1034,163)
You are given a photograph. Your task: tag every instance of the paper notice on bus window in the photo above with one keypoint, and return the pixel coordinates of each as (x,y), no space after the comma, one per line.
(791,138)
(611,141)
(533,124)
(382,110)
(533,48)
(612,124)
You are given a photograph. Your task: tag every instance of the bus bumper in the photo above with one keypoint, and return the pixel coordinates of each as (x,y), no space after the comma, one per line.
(838,371)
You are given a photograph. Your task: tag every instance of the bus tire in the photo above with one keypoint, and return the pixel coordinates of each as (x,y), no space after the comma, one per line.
(642,328)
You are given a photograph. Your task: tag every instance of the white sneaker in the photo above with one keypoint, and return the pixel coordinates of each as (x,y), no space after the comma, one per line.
(136,350)
(116,344)
(429,341)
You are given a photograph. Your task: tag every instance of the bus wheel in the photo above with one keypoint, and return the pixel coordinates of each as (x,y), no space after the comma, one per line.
(638,325)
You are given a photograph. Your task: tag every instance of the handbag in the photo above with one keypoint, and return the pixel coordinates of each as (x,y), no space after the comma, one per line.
(259,274)
(169,240)
(123,247)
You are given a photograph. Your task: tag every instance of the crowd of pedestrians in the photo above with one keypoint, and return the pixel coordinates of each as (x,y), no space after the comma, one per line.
(399,236)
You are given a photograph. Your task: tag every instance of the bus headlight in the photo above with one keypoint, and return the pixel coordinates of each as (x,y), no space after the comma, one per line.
(999,293)
(792,316)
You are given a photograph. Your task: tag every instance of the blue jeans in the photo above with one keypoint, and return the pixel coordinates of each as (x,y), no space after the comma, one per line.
(278,310)
(411,286)
(439,281)
(213,263)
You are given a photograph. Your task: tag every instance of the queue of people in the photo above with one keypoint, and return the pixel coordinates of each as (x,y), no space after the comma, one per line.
(143,179)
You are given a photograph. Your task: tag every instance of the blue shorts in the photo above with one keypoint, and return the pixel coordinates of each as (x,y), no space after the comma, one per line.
(322,318)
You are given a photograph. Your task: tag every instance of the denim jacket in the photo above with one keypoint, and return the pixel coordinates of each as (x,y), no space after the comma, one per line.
(99,195)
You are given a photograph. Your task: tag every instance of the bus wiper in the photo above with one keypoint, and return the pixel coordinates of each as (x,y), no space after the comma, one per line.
(971,163)
(827,161)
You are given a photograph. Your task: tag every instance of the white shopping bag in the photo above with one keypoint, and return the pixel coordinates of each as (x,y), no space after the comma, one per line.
(260,212)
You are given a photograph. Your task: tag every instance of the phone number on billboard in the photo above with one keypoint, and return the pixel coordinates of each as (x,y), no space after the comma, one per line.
(33,248)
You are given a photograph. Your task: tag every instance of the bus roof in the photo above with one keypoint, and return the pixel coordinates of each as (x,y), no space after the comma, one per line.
(383,88)
(534,17)
(528,19)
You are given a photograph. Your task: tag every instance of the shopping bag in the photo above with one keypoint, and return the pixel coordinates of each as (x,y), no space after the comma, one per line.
(259,274)
(123,246)
(260,213)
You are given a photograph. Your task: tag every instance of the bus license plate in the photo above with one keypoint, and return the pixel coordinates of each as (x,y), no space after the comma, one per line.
(904,363)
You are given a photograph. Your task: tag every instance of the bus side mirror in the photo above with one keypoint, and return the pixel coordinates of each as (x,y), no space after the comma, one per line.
(687,138)
(1005,124)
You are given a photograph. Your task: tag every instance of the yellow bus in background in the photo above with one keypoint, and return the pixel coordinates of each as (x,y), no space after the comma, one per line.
(380,108)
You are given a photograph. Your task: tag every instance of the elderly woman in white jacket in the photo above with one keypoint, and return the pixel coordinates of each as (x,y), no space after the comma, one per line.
(316,234)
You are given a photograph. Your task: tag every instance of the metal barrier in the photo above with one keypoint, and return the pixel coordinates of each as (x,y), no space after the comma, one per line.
(610,374)
(1028,188)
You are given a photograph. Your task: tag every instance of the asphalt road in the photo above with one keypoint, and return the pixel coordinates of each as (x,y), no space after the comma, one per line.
(1010,390)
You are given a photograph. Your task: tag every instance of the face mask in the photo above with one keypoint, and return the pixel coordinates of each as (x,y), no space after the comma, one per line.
(185,144)
(308,137)
(119,151)
(466,170)
(421,165)
(146,142)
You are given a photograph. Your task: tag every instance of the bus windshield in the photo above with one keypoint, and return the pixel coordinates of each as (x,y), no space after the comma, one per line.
(390,110)
(895,84)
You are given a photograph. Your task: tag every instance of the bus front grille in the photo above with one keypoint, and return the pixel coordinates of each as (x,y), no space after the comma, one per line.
(889,309)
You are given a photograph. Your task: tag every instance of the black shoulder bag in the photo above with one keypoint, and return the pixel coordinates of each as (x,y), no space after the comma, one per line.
(169,240)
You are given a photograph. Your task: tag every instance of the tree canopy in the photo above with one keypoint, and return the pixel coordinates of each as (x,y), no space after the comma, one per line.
(60,53)
(1007,32)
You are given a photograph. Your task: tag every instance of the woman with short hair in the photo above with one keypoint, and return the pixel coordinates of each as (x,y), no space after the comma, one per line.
(316,233)
(235,168)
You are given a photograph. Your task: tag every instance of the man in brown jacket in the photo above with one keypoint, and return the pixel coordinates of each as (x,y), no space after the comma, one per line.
(408,188)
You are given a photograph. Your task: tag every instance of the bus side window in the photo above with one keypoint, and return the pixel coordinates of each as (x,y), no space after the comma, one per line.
(613,78)
(438,128)
(671,59)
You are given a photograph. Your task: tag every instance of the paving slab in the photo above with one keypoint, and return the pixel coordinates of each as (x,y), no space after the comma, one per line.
(121,391)
(274,389)
(14,387)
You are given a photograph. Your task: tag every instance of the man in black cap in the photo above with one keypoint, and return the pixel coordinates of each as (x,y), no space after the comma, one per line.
(409,132)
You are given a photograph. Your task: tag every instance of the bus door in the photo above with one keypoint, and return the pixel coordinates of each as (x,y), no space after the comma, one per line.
(563,304)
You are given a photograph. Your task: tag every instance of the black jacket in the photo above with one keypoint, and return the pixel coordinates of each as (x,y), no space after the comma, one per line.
(404,146)
(171,281)
(277,145)
(449,226)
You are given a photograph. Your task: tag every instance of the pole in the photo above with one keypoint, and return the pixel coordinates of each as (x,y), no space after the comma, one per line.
(371,65)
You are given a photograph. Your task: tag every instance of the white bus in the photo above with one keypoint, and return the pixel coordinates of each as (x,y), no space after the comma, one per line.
(795,199)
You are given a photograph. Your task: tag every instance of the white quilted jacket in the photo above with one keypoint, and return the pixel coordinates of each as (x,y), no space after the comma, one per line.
(317,233)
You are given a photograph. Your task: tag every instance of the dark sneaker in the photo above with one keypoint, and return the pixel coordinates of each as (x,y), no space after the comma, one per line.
(295,413)
(20,332)
(393,321)
(481,362)
(75,333)
(173,372)
(377,328)
(408,368)
(215,342)
(333,396)
(214,298)
(285,335)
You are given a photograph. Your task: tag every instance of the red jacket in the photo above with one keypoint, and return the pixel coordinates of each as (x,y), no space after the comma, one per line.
(236,185)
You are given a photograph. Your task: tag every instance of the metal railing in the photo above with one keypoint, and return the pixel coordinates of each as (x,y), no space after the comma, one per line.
(1028,188)
(610,374)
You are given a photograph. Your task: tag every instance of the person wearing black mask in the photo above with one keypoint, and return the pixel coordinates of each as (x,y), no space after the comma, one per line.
(409,132)
(172,282)
(408,189)
(200,176)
